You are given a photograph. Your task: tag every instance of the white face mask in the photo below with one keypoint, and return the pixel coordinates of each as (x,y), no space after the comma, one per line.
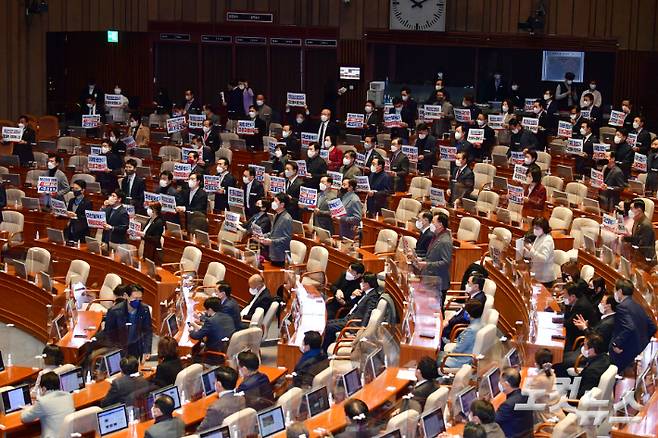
(285,134)
(349,276)
(275,205)
(583,131)
(21,125)
(241,86)
(422,136)
(89,105)
(419,224)
(536,110)
(468,288)
(569,82)
(438,87)
(601,308)
(584,352)
(433,228)
(324,117)
(206,129)
(464,103)
(260,102)
(515,87)
(117,91)
(547,96)
(592,86)
(626,108)
(278,153)
(373,168)
(252,114)
(636,125)
(133,123)
(368,109)
(51,165)
(537,232)
(394,148)
(323,187)
(164,183)
(288,173)
(631,214)
(515,131)
(113,139)
(192,183)
(327,144)
(528,161)
(149,211)
(310,153)
(245,179)
(405,98)
(105,149)
(253,291)
(505,108)
(587,104)
(617,139)
(458,135)
(220,168)
(367,145)
(188,98)
(346,161)
(573,116)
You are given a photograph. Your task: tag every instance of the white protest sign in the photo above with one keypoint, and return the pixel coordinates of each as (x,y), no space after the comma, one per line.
(528,104)
(531,123)
(495,121)
(308,197)
(235,196)
(113,100)
(575,146)
(91,121)
(631,139)
(432,112)
(411,152)
(520,173)
(211,183)
(448,153)
(134,229)
(354,120)
(182,171)
(277,184)
(585,114)
(617,118)
(517,157)
(596,178)
(437,197)
(260,172)
(151,197)
(129,142)
(11,134)
(609,222)
(175,124)
(295,99)
(640,162)
(196,121)
(392,120)
(97,163)
(58,208)
(308,138)
(168,203)
(475,136)
(462,115)
(47,184)
(336,207)
(600,150)
(231,221)
(362,183)
(564,129)
(336,177)
(95,219)
(515,194)
(360,159)
(246,127)
(301,168)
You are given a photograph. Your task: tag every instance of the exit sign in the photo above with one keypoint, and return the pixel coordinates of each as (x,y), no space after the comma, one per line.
(112,36)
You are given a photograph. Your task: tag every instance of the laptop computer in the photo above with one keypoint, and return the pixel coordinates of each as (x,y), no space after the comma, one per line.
(297,228)
(590,245)
(560,198)
(500,183)
(466,397)
(591,205)
(433,424)
(151,269)
(93,245)
(112,361)
(55,235)
(469,206)
(171,391)
(500,160)
(203,238)
(13,179)
(564,172)
(93,187)
(238,145)
(271,421)
(351,382)
(32,204)
(392,434)
(142,153)
(171,325)
(174,230)
(492,377)
(389,216)
(208,380)
(375,364)
(9,161)
(20,269)
(440,172)
(636,187)
(59,327)
(112,419)
(216,432)
(14,399)
(317,401)
(73,380)
(126,256)
(512,358)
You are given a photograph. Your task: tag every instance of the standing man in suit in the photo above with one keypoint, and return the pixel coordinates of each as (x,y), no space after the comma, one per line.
(514,422)
(191,104)
(642,235)
(407,117)
(496,87)
(322,214)
(226,180)
(133,186)
(214,326)
(253,191)
(257,388)
(369,144)
(293,184)
(575,304)
(77,228)
(316,166)
(399,164)
(462,180)
(210,136)
(366,297)
(54,163)
(234,101)
(624,154)
(278,240)
(195,204)
(23,147)
(381,187)
(116,220)
(134,338)
(264,110)
(129,387)
(371,120)
(349,169)
(51,407)
(426,145)
(327,126)
(424,225)
(546,122)
(229,306)
(585,164)
(291,139)
(166,425)
(353,208)
(255,142)
(442,125)
(152,233)
(439,255)
(227,403)
(643,141)
(614,181)
(633,327)
(91,91)
(261,297)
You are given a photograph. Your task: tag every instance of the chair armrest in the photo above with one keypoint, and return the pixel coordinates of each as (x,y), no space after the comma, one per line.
(170,264)
(181,272)
(341,343)
(98,301)
(456,330)
(577,341)
(307,274)
(386,254)
(369,248)
(541,429)
(443,362)
(577,363)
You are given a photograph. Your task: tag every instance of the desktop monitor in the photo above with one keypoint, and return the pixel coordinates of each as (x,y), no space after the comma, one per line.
(208,380)
(2,363)
(46,282)
(492,378)
(466,398)
(112,420)
(271,421)
(375,364)
(112,363)
(14,399)
(126,255)
(31,204)
(217,432)
(171,391)
(350,73)
(93,245)
(59,327)
(392,434)
(55,236)
(171,325)
(151,271)
(317,401)
(20,269)
(351,382)
(72,380)
(512,358)
(433,424)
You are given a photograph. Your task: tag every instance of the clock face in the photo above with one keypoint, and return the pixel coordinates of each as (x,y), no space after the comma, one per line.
(421,15)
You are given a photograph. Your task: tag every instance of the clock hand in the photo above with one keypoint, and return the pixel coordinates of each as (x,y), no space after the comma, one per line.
(417,3)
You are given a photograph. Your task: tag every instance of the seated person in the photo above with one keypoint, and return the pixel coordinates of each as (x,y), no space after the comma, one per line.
(313,360)
(484,414)
(642,235)
(50,407)
(217,326)
(466,339)
(473,430)
(514,422)
(576,306)
(165,423)
(530,160)
(536,193)
(228,402)
(261,297)
(357,415)
(229,305)
(474,287)
(129,387)
(544,381)
(53,357)
(596,291)
(426,384)
(342,289)
(256,386)
(297,429)
(169,364)
(260,218)
(596,363)
(365,298)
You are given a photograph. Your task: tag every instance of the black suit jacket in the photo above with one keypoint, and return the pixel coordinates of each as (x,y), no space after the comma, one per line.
(643,141)
(461,185)
(152,237)
(307,369)
(604,328)
(382,185)
(255,142)
(364,307)
(370,154)
(423,242)
(263,300)
(166,372)
(624,156)
(371,122)
(426,148)
(644,238)
(77,228)
(592,371)
(632,331)
(212,139)
(126,389)
(119,220)
(407,117)
(221,199)
(515,423)
(293,192)
(256,192)
(400,165)
(198,203)
(232,309)
(136,195)
(257,391)
(263,221)
(331,130)
(583,307)
(316,168)
(214,330)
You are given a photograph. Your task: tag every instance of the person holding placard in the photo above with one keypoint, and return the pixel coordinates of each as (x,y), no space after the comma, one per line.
(335,159)
(438,86)
(278,240)
(536,193)
(206,155)
(627,108)
(549,103)
(117,221)
(585,163)
(406,116)
(210,136)
(293,184)
(642,236)
(255,142)
(507,111)
(643,141)
(23,147)
(462,179)
(369,145)
(77,228)
(54,162)
(381,187)
(292,146)
(541,252)
(119,109)
(316,166)
(371,120)
(426,145)
(623,152)
(399,165)
(152,233)
(137,130)
(327,127)
(279,158)
(226,180)
(299,121)
(191,104)
(165,187)
(253,191)
(517,97)
(468,102)
(442,125)
(349,169)
(484,149)
(521,138)
(588,103)
(651,184)
(133,186)
(195,203)
(566,93)
(353,209)
(530,161)
(461,142)
(322,213)
(547,124)
(614,181)
(197,163)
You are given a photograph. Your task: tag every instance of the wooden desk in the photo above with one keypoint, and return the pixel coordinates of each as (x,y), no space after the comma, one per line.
(26,306)
(16,374)
(647,427)
(74,343)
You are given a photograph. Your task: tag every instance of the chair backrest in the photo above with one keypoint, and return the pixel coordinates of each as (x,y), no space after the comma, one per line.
(297,252)
(170,153)
(107,289)
(217,270)
(32,176)
(648,208)
(86,177)
(499,150)
(461,380)
(567,427)
(191,259)
(246,339)
(69,144)
(224,152)
(487,201)
(469,229)
(491,317)
(489,287)
(410,242)
(436,400)
(587,273)
(243,422)
(583,226)
(290,401)
(317,259)
(80,422)
(14,196)
(188,380)
(167,166)
(37,260)
(270,317)
(48,128)
(484,338)
(551,183)
(561,218)
(607,382)
(323,378)
(576,192)
(257,317)
(408,209)
(387,240)
(12,221)
(406,423)
(78,272)
(543,160)
(420,187)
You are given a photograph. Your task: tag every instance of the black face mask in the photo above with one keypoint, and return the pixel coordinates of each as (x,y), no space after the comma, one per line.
(77,192)
(343,190)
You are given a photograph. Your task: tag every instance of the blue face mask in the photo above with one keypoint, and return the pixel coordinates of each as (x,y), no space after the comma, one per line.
(135,303)
(467,317)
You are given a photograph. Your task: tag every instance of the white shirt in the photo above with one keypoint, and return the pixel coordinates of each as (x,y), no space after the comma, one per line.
(192,193)
(247,308)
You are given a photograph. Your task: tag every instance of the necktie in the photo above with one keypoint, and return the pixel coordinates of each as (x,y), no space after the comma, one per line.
(323,128)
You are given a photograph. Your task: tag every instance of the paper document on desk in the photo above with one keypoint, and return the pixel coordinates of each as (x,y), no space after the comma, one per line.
(406,374)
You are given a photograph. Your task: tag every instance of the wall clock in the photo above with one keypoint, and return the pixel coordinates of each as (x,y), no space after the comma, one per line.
(420,15)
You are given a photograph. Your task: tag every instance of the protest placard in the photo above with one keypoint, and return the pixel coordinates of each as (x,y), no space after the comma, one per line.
(517,157)
(130,209)
(531,123)
(575,146)
(528,104)
(211,183)
(392,120)
(246,127)
(47,184)
(113,100)
(129,142)
(520,173)
(235,196)
(360,159)
(308,197)
(411,152)
(175,124)
(11,134)
(475,136)
(617,118)
(196,121)
(362,183)
(260,172)
(168,203)
(354,120)
(336,207)
(97,163)
(151,197)
(95,219)
(631,139)
(295,99)
(600,150)
(301,168)
(134,229)
(495,121)
(515,194)
(609,222)
(308,138)
(336,178)
(432,112)
(182,171)
(564,129)
(585,113)
(640,162)
(277,184)
(596,178)
(462,115)
(58,208)
(437,197)
(90,121)
(231,221)
(447,153)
